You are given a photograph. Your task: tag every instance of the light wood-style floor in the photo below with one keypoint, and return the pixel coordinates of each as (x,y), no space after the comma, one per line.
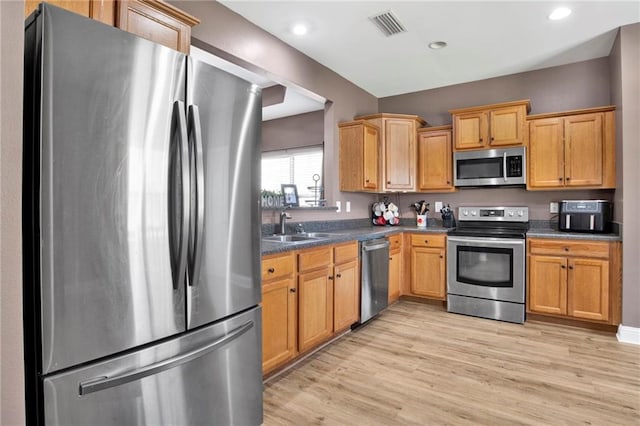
(418,365)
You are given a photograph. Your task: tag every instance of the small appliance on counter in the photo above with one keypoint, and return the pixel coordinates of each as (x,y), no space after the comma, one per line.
(585,216)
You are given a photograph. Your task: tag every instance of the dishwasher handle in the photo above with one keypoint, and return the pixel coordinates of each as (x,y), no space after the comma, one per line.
(374,245)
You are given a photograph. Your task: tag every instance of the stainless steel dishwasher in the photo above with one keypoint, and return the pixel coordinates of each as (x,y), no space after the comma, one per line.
(374,277)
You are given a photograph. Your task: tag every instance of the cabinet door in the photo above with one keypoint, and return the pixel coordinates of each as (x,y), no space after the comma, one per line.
(278,323)
(470,130)
(506,126)
(370,155)
(345,295)
(546,153)
(428,272)
(142,19)
(315,308)
(399,154)
(583,150)
(395,263)
(588,291)
(100,10)
(434,160)
(548,285)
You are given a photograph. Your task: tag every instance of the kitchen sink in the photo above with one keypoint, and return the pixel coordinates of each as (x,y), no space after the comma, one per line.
(288,238)
(294,238)
(317,234)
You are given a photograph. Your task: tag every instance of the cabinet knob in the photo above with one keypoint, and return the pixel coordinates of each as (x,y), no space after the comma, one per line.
(560,179)
(570,266)
(271,270)
(563,267)
(426,241)
(441,257)
(388,182)
(339,275)
(566,249)
(367,180)
(480,139)
(492,138)
(448,182)
(330,277)
(568,178)
(292,290)
(391,258)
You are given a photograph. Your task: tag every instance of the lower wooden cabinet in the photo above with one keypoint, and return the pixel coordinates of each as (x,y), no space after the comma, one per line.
(305,309)
(574,279)
(395,267)
(315,307)
(428,266)
(279,310)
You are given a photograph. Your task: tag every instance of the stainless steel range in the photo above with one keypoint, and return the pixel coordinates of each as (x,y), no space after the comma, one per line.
(486,263)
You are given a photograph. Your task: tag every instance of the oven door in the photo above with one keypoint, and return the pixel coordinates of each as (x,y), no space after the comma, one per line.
(487,268)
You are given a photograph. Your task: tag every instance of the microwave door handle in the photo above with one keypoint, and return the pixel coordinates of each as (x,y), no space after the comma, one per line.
(567,223)
(591,222)
(504,166)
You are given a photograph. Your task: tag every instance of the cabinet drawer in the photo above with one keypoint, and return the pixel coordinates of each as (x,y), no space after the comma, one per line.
(599,249)
(345,252)
(428,240)
(395,242)
(275,266)
(315,258)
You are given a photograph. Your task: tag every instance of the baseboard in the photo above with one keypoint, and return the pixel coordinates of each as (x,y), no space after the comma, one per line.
(628,334)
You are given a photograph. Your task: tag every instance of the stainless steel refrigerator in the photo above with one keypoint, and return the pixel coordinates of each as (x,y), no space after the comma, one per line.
(141,224)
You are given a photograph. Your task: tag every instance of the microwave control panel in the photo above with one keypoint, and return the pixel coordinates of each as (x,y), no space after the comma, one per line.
(514,166)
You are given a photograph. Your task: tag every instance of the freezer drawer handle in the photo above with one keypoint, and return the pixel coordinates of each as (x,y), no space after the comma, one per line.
(100,383)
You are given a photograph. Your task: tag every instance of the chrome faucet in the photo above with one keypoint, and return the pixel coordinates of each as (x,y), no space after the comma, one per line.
(283,219)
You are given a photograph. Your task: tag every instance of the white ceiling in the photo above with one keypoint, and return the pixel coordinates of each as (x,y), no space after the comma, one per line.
(485,39)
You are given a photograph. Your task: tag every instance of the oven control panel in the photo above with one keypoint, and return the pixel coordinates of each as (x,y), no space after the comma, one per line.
(494,214)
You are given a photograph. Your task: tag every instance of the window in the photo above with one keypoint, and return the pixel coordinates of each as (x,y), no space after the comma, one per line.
(294,166)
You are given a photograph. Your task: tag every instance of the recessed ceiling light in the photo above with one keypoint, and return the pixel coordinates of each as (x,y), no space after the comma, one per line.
(560,13)
(299,29)
(435,45)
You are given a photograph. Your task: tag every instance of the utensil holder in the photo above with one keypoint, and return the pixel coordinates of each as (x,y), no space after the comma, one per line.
(421,221)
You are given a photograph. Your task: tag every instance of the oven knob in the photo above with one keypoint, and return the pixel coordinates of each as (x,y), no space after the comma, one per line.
(520,213)
(465,212)
(473,212)
(510,213)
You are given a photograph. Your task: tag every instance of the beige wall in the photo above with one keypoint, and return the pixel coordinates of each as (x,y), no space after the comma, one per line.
(630,129)
(293,132)
(11,361)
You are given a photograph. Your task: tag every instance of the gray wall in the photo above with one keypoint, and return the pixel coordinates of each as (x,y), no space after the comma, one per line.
(293,132)
(625,93)
(580,85)
(11,366)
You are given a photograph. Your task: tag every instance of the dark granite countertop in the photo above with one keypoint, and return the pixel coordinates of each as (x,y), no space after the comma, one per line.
(554,233)
(342,235)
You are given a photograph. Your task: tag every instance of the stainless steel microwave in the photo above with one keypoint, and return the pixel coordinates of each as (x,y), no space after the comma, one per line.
(492,167)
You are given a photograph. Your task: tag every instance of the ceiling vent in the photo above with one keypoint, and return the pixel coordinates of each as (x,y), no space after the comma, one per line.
(388,23)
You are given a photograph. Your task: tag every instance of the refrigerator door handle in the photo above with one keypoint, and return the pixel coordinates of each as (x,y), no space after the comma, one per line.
(104,382)
(179,253)
(197,223)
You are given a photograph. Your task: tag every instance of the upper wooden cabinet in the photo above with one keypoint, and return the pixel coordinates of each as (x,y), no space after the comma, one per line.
(100,10)
(574,149)
(398,147)
(154,20)
(157,21)
(435,159)
(359,156)
(490,126)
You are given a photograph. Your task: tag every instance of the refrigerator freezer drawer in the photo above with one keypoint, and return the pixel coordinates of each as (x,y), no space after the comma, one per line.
(210,376)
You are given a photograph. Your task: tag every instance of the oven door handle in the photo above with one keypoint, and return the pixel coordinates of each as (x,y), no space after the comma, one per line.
(488,241)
